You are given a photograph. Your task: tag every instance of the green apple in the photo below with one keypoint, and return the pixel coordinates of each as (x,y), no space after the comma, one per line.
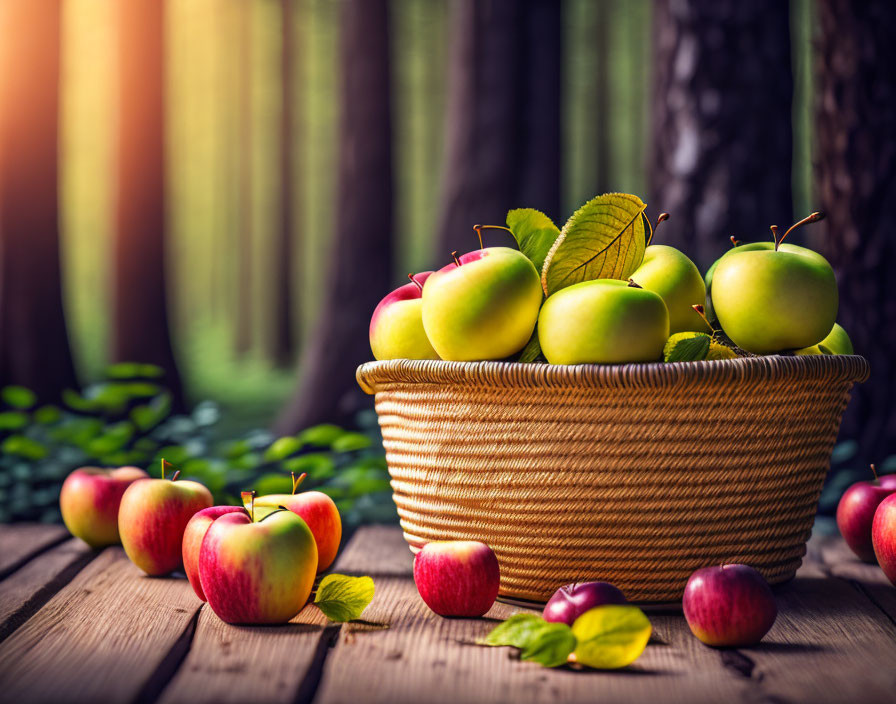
(668,272)
(603,321)
(396,326)
(484,306)
(768,300)
(837,342)
(748,247)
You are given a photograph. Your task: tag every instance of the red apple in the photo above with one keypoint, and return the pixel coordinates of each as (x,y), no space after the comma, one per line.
(89,502)
(193,535)
(729,606)
(883,536)
(152,518)
(855,513)
(571,601)
(396,326)
(259,572)
(457,578)
(888,481)
(314,507)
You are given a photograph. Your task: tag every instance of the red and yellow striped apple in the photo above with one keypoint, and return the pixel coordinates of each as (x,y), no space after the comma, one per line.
(396,326)
(152,518)
(457,578)
(883,536)
(484,306)
(256,573)
(315,508)
(193,536)
(89,502)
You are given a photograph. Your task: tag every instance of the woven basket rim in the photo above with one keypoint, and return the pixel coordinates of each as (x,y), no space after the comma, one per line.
(374,376)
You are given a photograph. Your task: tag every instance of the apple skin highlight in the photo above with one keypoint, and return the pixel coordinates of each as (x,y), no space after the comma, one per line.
(257,573)
(90,499)
(194,533)
(457,578)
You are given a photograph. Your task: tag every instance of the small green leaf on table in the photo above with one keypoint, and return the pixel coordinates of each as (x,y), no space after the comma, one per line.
(344,598)
(516,631)
(550,645)
(534,232)
(604,239)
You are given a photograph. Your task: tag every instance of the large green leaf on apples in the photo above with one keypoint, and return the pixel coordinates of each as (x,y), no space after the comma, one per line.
(687,347)
(532,351)
(611,636)
(604,239)
(534,233)
(343,598)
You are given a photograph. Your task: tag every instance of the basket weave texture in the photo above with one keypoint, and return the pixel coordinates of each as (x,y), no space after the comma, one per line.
(633,474)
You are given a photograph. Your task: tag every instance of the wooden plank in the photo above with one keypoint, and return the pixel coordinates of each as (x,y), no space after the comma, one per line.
(423,657)
(841,562)
(259,664)
(30,587)
(829,644)
(19,542)
(111,635)
(376,550)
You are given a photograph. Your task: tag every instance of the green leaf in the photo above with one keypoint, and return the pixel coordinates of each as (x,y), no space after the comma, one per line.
(149,415)
(687,347)
(18,397)
(604,239)
(115,438)
(550,645)
(23,447)
(272,484)
(47,415)
(321,435)
(610,637)
(13,420)
(350,441)
(532,351)
(343,598)
(516,631)
(317,465)
(75,401)
(534,232)
(282,448)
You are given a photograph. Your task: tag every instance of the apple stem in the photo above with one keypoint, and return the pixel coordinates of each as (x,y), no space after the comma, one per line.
(634,284)
(734,242)
(814,217)
(295,481)
(701,311)
(454,257)
(176,475)
(874,472)
(415,282)
(166,465)
(480,228)
(774,229)
(251,495)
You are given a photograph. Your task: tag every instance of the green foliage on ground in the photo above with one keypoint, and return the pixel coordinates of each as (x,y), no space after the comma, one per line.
(127,419)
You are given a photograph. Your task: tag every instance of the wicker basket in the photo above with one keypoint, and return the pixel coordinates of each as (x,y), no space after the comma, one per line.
(633,474)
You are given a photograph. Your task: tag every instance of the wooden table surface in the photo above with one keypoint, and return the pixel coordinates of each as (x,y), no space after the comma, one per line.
(82,626)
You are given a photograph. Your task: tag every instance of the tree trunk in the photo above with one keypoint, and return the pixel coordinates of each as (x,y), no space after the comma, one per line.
(722,133)
(503,124)
(140,315)
(243,326)
(855,177)
(34,348)
(361,253)
(284,333)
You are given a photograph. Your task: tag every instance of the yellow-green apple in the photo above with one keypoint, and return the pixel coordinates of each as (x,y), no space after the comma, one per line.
(668,272)
(458,577)
(315,508)
(837,342)
(152,519)
(484,306)
(738,247)
(883,536)
(193,536)
(729,605)
(89,502)
(603,321)
(260,572)
(396,326)
(571,601)
(855,514)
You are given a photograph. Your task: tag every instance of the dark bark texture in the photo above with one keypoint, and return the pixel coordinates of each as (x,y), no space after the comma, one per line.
(361,252)
(34,348)
(722,134)
(140,315)
(855,178)
(503,124)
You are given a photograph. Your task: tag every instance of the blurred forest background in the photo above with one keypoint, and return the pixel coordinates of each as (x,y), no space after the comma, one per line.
(225,189)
